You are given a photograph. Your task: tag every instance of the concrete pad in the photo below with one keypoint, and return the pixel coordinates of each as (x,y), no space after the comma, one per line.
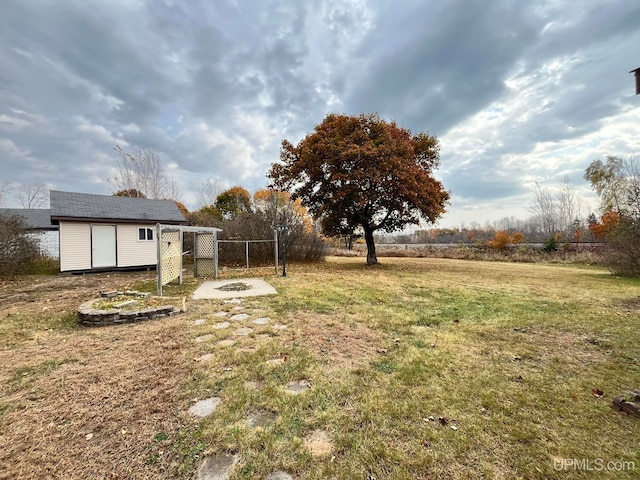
(256,287)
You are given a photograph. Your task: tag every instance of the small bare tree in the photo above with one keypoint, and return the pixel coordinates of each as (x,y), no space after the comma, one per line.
(33,195)
(544,209)
(5,188)
(208,193)
(142,171)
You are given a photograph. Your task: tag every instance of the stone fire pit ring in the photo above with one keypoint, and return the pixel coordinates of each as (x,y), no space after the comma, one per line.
(90,316)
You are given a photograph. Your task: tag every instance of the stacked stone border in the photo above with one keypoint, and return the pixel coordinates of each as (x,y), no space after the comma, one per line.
(93,317)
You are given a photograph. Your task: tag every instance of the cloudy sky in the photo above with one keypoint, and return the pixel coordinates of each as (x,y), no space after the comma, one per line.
(517,92)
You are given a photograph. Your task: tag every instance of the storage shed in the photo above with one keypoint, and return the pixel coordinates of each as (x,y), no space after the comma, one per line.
(100,232)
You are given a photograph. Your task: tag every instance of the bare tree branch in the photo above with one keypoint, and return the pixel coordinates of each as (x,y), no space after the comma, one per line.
(142,170)
(33,195)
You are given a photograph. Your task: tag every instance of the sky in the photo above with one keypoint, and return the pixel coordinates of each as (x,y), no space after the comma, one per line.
(517,93)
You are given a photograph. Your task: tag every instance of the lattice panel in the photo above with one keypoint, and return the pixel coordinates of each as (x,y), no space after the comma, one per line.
(204,254)
(171,256)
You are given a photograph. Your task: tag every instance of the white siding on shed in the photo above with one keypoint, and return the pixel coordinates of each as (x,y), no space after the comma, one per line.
(134,252)
(75,246)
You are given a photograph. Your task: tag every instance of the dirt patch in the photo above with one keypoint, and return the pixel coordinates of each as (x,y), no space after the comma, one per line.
(89,403)
(630,305)
(34,293)
(319,444)
(339,345)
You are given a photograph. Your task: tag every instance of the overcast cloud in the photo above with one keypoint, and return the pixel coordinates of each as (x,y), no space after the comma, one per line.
(517,92)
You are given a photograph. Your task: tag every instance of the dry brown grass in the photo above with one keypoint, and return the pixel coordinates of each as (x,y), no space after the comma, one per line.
(88,403)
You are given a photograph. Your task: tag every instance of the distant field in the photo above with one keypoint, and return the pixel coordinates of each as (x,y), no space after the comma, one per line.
(419,368)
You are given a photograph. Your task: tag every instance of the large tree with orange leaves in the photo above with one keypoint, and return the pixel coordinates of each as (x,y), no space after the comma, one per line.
(363,172)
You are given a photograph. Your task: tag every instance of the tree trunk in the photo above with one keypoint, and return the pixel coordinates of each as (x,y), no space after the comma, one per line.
(371,246)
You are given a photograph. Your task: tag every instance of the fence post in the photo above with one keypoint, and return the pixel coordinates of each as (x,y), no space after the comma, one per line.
(215,255)
(246,252)
(159,250)
(275,247)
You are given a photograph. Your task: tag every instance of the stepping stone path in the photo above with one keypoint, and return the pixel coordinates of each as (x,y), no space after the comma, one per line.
(261,321)
(200,321)
(220,314)
(237,309)
(279,475)
(239,317)
(205,407)
(204,338)
(217,467)
(226,343)
(221,325)
(297,387)
(243,332)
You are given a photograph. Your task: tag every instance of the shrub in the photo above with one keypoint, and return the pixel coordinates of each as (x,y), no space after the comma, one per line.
(551,245)
(622,250)
(18,250)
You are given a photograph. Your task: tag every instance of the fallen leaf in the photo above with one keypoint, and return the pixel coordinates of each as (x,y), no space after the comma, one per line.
(443,420)
(597,392)
(89,436)
(453,427)
(456,321)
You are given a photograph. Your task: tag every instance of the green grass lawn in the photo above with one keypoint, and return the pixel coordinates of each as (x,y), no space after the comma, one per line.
(428,368)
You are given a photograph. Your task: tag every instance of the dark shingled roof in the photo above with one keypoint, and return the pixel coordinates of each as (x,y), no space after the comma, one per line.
(78,206)
(34,218)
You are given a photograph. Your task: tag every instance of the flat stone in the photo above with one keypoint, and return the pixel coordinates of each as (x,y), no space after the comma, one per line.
(243,332)
(225,343)
(204,338)
(263,337)
(275,361)
(233,300)
(252,384)
(261,321)
(200,321)
(239,317)
(261,418)
(206,357)
(279,475)
(299,386)
(205,407)
(126,303)
(237,309)
(221,325)
(217,467)
(220,314)
(279,326)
